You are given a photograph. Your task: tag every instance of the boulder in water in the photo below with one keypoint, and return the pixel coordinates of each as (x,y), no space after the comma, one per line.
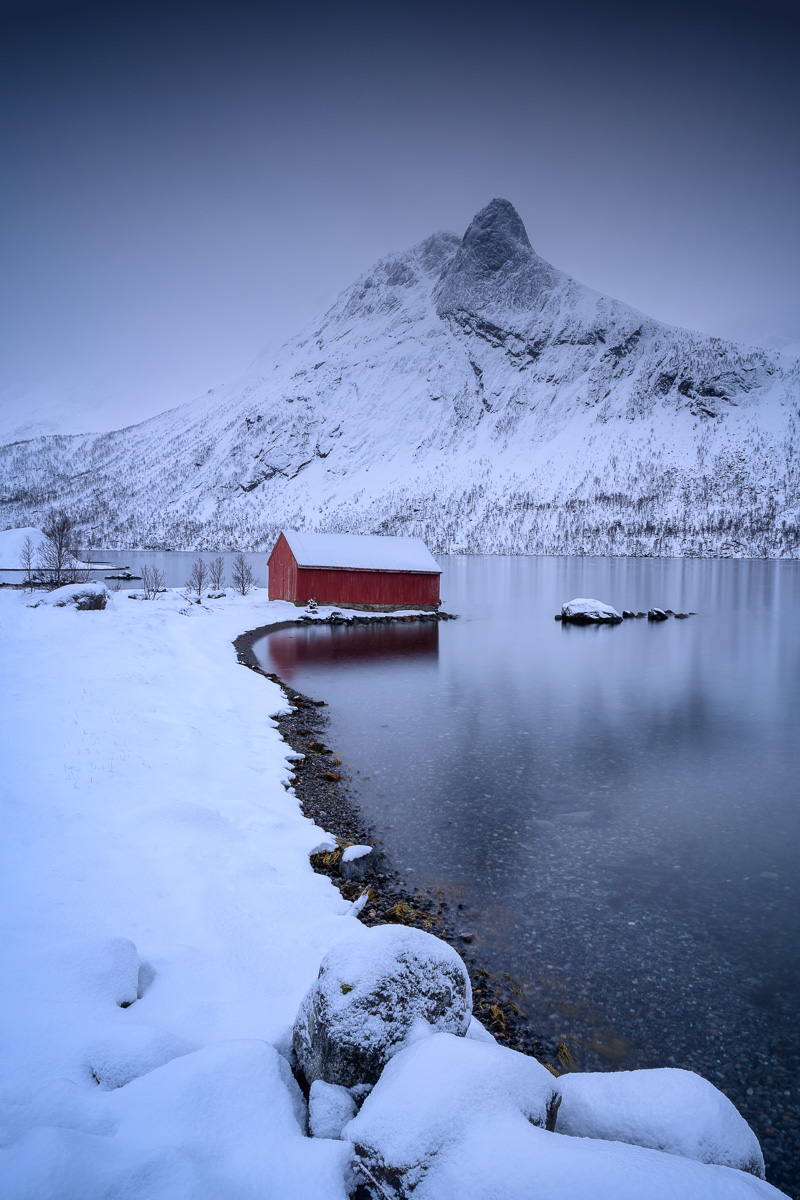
(589,612)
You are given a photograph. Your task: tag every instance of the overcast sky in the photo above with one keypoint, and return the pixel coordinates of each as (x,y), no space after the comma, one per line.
(188,183)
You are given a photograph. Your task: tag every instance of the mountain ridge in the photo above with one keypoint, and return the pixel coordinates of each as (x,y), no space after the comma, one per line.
(466,391)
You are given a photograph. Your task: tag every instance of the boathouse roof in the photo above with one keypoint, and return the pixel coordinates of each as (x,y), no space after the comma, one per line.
(357,552)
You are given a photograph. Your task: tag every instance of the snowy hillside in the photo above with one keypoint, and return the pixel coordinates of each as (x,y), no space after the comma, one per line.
(466,392)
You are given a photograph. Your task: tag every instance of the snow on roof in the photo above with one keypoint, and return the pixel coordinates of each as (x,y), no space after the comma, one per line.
(355,552)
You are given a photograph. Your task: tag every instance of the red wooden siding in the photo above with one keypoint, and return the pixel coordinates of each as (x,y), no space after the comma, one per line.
(282,571)
(329,585)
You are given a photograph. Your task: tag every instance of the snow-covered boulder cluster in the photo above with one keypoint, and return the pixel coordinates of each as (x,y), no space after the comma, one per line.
(589,612)
(431,1111)
(432,1100)
(373,993)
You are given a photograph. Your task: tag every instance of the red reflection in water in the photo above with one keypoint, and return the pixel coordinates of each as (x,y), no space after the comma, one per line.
(290,648)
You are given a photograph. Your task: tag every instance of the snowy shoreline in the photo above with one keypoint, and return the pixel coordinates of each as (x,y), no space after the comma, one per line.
(332,806)
(162,924)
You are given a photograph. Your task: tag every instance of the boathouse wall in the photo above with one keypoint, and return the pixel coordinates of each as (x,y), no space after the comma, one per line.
(363,587)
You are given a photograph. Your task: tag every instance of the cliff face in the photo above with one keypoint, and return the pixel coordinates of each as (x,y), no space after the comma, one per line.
(467,392)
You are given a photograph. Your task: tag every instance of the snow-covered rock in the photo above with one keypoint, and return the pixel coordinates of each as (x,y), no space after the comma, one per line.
(330,1107)
(351,853)
(466,392)
(451,1117)
(433,1093)
(122,1056)
(357,861)
(667,1109)
(589,612)
(105,969)
(82,596)
(374,992)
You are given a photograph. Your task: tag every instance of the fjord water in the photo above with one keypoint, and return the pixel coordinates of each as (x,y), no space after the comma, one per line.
(616,808)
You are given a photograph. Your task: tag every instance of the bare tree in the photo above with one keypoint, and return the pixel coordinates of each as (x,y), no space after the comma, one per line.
(152,581)
(217,572)
(243,579)
(27,559)
(198,578)
(58,557)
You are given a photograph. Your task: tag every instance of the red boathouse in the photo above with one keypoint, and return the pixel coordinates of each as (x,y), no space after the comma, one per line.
(360,572)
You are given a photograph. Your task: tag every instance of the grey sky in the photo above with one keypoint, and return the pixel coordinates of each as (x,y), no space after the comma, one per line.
(186,184)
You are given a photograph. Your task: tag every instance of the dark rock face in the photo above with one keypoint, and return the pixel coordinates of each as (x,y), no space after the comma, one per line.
(657,614)
(355,870)
(496,236)
(495,253)
(371,990)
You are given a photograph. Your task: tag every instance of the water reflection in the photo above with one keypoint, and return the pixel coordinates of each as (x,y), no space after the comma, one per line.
(616,808)
(290,649)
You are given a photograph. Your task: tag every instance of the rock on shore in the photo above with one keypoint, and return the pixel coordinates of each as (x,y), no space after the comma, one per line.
(373,993)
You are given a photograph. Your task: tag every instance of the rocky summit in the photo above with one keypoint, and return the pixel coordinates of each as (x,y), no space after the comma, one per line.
(467,392)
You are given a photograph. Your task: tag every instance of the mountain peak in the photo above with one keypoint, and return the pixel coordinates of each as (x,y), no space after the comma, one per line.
(495,265)
(496,235)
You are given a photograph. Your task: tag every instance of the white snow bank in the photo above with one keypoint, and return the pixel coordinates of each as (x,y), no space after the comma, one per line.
(330,1107)
(11,543)
(92,595)
(582,611)
(227,1121)
(159,910)
(105,970)
(479,1033)
(505,1158)
(451,1117)
(667,1109)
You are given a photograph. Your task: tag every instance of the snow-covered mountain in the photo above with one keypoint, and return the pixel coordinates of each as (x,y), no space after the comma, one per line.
(467,392)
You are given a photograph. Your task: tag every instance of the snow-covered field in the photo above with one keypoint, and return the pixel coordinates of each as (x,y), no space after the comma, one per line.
(151,857)
(161,924)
